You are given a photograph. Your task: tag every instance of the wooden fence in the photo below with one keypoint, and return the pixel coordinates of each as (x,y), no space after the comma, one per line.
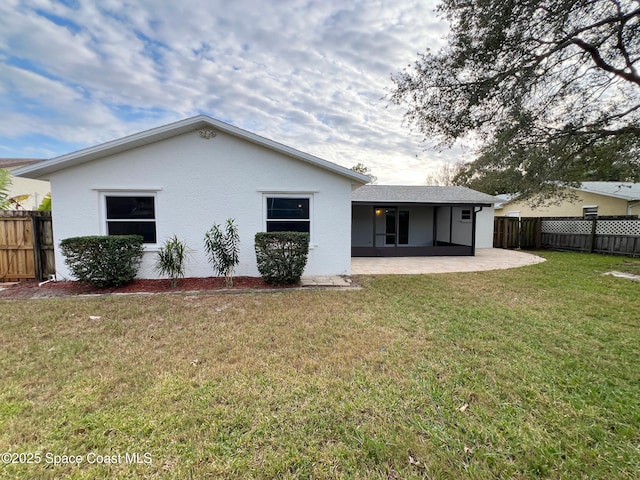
(614,236)
(513,232)
(26,245)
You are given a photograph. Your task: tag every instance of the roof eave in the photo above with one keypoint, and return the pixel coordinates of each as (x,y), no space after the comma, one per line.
(147,137)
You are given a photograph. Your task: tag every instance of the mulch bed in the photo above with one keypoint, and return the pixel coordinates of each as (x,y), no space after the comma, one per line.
(30,289)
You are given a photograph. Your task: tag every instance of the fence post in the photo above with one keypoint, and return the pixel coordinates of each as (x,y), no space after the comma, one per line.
(37,258)
(592,246)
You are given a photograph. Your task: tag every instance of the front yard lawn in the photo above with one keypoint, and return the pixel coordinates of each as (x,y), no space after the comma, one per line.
(524,373)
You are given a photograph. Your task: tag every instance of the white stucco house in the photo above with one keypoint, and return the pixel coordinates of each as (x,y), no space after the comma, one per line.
(181,178)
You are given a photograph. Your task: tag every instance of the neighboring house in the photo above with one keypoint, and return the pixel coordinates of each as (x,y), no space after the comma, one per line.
(35,189)
(591,199)
(391,220)
(183,177)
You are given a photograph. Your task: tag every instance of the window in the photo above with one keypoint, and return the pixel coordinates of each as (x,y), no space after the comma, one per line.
(465,215)
(288,214)
(131,215)
(590,211)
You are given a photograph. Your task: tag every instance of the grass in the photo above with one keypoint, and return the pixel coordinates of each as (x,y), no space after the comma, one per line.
(630,266)
(524,373)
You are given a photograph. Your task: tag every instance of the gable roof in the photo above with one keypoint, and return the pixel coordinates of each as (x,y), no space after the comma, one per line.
(420,194)
(628,191)
(625,190)
(192,124)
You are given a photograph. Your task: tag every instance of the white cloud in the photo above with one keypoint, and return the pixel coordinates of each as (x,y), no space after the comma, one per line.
(307,73)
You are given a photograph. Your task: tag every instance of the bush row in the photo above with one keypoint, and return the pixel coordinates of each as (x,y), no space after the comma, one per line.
(108,261)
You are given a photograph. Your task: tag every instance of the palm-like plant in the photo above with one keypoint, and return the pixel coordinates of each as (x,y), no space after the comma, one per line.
(5,183)
(172,259)
(223,250)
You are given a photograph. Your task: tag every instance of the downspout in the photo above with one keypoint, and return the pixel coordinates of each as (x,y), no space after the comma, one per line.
(473,231)
(632,205)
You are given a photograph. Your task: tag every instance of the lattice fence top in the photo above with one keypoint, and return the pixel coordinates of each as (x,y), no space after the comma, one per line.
(618,227)
(567,226)
(583,227)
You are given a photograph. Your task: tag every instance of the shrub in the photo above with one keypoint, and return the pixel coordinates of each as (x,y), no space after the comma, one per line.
(172,259)
(223,250)
(281,256)
(103,260)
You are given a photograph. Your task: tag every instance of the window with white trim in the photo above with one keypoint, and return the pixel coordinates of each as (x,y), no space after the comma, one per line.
(465,215)
(288,213)
(131,214)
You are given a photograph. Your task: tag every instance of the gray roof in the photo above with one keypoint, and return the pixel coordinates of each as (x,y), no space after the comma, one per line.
(18,162)
(43,169)
(626,190)
(420,194)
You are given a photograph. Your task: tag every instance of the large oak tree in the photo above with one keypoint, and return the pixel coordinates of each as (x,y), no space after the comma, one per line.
(549,89)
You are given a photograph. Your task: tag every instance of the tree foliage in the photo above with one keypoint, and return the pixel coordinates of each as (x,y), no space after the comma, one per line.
(550,89)
(5,183)
(362,168)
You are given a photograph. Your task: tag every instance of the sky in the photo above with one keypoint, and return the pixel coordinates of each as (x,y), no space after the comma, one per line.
(312,74)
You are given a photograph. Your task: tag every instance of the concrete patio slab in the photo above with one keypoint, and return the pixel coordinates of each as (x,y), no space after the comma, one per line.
(485,259)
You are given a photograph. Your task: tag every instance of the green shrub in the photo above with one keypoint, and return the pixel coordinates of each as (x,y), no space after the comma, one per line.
(281,256)
(103,261)
(172,259)
(223,250)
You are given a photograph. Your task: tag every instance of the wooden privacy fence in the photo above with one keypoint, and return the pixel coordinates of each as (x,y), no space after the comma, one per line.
(26,245)
(513,232)
(615,236)
(612,236)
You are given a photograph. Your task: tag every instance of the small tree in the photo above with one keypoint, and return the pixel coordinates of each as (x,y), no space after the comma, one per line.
(45,205)
(223,250)
(5,183)
(172,259)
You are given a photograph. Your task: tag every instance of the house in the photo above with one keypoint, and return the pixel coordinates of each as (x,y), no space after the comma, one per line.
(29,192)
(183,177)
(591,199)
(390,220)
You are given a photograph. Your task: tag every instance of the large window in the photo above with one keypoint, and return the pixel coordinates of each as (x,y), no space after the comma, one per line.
(131,215)
(288,214)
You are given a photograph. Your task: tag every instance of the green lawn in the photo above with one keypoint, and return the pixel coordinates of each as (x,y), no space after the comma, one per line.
(524,373)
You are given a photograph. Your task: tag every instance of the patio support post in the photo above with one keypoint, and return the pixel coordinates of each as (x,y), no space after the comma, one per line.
(450,225)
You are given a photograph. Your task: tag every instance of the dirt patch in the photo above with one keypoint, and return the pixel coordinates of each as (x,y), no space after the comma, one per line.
(30,289)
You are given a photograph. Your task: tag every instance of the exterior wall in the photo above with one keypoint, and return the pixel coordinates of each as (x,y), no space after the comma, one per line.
(461,231)
(37,189)
(484,228)
(606,206)
(198,182)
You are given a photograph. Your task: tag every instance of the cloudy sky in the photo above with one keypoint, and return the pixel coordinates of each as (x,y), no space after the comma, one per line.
(312,74)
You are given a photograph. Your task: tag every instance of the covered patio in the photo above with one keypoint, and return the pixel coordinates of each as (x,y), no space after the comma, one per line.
(484,259)
(416,221)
